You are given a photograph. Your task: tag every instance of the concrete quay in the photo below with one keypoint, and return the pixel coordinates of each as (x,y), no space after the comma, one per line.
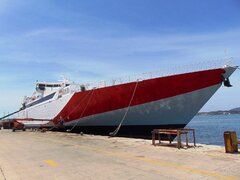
(60,156)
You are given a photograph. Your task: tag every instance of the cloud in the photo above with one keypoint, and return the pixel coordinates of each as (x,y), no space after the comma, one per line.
(92,45)
(46,53)
(70,50)
(47,32)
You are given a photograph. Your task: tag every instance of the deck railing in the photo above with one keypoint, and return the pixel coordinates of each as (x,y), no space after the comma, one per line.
(166,71)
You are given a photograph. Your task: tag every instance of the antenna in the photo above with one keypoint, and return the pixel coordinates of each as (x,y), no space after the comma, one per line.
(63,79)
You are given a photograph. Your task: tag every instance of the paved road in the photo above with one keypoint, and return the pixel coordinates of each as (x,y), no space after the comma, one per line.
(52,155)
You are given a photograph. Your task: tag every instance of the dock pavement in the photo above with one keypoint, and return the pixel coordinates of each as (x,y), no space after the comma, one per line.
(57,155)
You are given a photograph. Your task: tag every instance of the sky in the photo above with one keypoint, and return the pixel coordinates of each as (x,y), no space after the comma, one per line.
(89,41)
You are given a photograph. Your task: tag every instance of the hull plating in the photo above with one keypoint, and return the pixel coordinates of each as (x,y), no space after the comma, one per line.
(47,110)
(110,99)
(170,101)
(174,112)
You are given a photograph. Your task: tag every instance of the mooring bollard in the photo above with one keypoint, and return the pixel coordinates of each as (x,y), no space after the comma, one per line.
(230,141)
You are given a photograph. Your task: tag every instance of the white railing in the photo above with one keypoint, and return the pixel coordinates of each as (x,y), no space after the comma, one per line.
(166,71)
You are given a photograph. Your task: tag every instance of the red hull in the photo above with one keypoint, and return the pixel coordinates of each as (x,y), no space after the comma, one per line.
(116,97)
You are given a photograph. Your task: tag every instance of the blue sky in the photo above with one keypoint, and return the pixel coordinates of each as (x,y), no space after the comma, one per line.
(96,40)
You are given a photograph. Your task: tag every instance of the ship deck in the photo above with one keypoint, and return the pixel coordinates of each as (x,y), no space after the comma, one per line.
(57,155)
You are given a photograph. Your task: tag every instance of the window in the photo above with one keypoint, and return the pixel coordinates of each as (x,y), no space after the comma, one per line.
(41,87)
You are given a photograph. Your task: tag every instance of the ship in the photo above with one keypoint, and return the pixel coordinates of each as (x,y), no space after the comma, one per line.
(132,107)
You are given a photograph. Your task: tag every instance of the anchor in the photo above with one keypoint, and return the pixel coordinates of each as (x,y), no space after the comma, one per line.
(226,82)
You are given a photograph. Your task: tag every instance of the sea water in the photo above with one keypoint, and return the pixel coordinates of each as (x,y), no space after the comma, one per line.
(209,129)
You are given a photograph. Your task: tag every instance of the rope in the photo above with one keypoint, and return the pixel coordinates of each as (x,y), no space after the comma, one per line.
(77,105)
(112,134)
(83,110)
(4,177)
(54,126)
(62,118)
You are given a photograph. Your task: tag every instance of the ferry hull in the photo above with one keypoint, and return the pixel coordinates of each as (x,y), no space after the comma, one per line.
(174,112)
(165,102)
